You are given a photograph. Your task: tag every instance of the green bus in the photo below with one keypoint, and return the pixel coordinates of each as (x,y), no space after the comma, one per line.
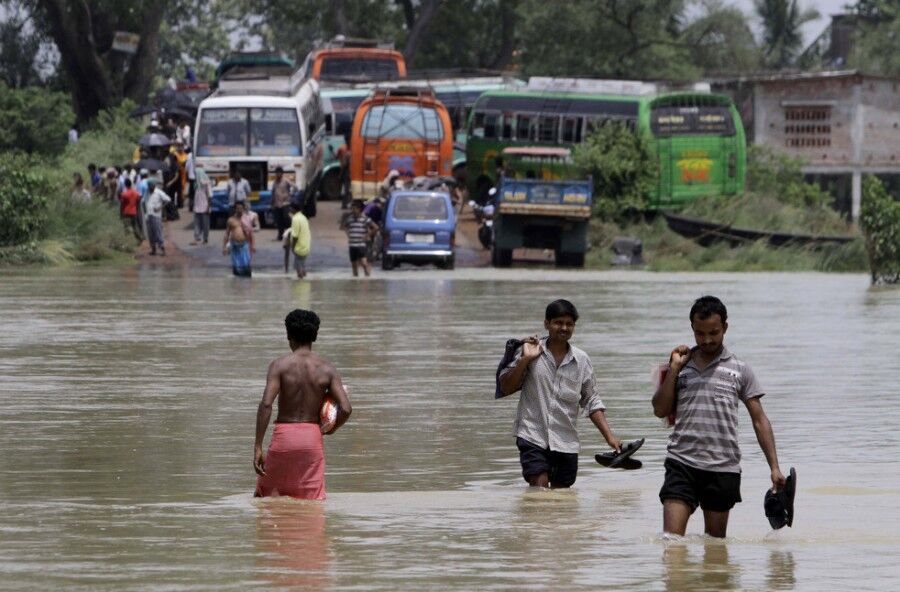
(698,137)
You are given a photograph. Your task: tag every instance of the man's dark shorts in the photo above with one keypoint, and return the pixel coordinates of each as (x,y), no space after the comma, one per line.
(561,467)
(711,490)
(357,253)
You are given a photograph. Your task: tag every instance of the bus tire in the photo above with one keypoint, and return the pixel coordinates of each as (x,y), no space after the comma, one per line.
(501,257)
(331,186)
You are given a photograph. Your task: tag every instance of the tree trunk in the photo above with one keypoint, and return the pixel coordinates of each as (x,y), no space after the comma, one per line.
(508,19)
(98,84)
(427,10)
(70,28)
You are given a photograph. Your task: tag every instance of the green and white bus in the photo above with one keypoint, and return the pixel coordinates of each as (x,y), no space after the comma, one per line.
(698,137)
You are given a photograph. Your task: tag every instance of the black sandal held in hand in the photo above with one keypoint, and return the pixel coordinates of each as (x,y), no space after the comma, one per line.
(621,459)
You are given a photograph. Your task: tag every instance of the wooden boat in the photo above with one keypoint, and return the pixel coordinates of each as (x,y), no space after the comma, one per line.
(707,233)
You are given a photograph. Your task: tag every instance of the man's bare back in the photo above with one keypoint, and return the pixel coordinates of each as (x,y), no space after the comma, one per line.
(304,379)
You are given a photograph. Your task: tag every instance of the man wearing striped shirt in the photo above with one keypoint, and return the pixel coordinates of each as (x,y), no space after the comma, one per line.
(359,229)
(556,379)
(703,387)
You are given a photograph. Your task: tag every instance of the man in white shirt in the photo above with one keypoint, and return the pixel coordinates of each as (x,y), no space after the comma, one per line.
(238,189)
(156,201)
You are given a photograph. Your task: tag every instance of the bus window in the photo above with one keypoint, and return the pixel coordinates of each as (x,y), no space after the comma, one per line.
(275,132)
(571,130)
(523,127)
(222,132)
(402,121)
(506,130)
(477,125)
(490,126)
(548,129)
(338,68)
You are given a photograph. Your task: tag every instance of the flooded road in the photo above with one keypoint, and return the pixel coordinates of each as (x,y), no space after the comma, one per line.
(128,400)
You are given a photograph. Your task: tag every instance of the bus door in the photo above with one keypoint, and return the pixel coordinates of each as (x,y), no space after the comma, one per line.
(664,149)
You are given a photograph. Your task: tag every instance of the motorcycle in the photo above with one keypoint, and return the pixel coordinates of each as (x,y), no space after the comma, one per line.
(484,216)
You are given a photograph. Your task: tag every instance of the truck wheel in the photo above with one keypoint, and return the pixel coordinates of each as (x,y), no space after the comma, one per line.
(331,186)
(501,257)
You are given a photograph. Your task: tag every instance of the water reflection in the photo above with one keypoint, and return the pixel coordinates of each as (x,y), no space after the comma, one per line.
(293,545)
(780,575)
(713,573)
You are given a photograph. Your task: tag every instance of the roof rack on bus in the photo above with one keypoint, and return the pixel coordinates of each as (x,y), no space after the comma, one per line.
(340,41)
(404,91)
(593,85)
(255,82)
(262,60)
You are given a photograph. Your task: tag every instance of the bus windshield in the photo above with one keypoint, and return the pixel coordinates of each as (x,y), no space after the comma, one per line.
(403,121)
(420,207)
(248,132)
(681,121)
(337,68)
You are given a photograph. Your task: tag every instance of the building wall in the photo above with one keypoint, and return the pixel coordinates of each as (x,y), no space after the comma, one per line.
(880,113)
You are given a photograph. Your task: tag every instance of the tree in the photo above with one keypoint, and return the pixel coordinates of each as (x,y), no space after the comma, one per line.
(781,22)
(83,31)
(34,120)
(720,40)
(20,45)
(605,38)
(876,47)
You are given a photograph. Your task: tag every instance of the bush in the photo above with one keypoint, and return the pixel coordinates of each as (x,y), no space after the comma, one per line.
(780,176)
(34,120)
(880,221)
(24,203)
(623,169)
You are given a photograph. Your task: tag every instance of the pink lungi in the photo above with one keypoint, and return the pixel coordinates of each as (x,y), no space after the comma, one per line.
(295,463)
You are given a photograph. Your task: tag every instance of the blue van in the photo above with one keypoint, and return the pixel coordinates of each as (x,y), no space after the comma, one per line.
(419,227)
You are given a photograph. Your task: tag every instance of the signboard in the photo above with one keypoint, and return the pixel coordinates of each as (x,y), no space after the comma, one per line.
(126,42)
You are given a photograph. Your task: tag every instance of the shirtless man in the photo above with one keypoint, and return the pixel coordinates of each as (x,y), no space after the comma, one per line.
(295,462)
(238,240)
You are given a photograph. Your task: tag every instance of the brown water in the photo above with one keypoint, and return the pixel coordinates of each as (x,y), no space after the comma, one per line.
(128,396)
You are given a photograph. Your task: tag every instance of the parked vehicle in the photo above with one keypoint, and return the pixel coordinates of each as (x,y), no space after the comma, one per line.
(419,227)
(541,213)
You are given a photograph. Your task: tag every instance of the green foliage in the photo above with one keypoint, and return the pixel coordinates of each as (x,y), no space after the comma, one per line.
(635,39)
(880,221)
(720,40)
(875,42)
(782,21)
(42,224)
(623,169)
(20,46)
(778,175)
(34,120)
(23,199)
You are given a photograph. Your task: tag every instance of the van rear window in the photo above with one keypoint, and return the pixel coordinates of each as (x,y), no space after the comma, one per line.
(420,207)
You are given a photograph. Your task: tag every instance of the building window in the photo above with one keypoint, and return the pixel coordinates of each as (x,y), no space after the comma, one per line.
(807,127)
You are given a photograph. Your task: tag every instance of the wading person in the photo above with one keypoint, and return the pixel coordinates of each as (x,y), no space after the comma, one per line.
(556,379)
(237,242)
(294,465)
(300,239)
(703,387)
(359,229)
(155,204)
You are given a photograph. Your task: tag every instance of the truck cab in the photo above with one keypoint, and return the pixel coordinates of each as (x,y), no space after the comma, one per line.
(540,205)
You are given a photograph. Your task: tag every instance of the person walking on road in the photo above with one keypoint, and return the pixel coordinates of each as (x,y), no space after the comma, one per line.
(238,189)
(702,387)
(156,202)
(129,200)
(359,229)
(557,380)
(201,202)
(281,199)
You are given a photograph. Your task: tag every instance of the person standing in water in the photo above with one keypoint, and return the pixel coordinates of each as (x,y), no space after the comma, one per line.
(556,379)
(295,462)
(703,387)
(238,241)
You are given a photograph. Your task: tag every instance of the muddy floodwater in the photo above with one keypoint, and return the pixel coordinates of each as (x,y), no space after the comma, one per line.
(128,399)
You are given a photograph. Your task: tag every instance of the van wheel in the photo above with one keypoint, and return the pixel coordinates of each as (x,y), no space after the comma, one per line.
(501,257)
(448,263)
(387,262)
(331,186)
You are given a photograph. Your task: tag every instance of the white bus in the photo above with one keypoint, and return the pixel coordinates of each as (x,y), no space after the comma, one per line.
(254,123)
